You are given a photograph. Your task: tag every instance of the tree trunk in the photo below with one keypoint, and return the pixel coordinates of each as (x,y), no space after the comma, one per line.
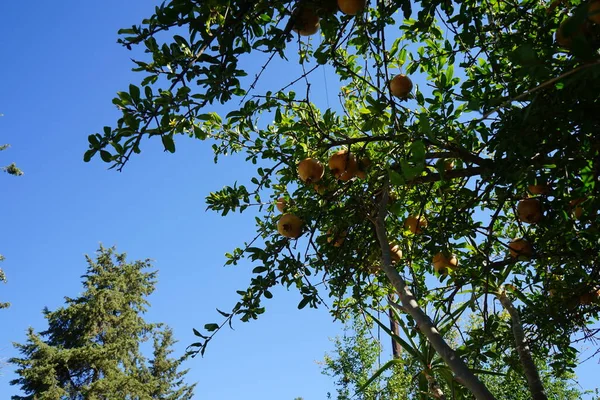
(531,372)
(462,373)
(396,348)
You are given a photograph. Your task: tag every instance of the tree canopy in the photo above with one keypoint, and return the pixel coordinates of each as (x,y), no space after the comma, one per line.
(91,349)
(462,161)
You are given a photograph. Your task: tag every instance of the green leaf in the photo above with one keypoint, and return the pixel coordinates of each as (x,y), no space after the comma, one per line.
(105,155)
(424,124)
(396,178)
(303,303)
(380,371)
(199,334)
(418,150)
(169,143)
(134,91)
(87,156)
(223,313)
(211,327)
(413,351)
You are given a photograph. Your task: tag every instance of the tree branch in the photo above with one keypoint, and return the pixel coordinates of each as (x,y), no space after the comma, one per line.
(531,372)
(434,386)
(538,87)
(456,173)
(462,373)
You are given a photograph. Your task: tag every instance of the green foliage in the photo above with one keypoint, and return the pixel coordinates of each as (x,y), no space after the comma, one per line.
(494,93)
(3,280)
(11,169)
(512,386)
(91,349)
(167,380)
(356,358)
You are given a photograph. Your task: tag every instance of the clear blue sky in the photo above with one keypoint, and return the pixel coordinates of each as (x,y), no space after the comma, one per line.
(61,67)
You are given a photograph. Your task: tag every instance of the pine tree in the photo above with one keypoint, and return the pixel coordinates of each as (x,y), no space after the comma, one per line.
(168,380)
(91,349)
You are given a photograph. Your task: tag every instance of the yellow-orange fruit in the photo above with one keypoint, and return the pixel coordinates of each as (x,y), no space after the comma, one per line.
(337,239)
(351,7)
(529,211)
(290,226)
(414,224)
(401,86)
(586,298)
(539,189)
(343,165)
(364,163)
(447,165)
(561,39)
(576,209)
(306,22)
(396,253)
(594,12)
(281,204)
(325,7)
(374,269)
(555,285)
(564,39)
(519,248)
(310,170)
(441,263)
(321,189)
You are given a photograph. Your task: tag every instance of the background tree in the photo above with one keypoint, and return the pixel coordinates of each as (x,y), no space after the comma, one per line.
(356,358)
(478,181)
(359,356)
(168,380)
(91,348)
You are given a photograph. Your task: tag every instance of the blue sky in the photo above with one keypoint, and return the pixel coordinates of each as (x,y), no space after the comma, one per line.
(61,67)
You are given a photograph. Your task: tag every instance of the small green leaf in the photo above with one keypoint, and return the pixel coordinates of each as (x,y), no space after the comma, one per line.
(87,156)
(424,124)
(303,303)
(105,155)
(223,313)
(199,334)
(418,150)
(134,91)
(169,143)
(211,327)
(396,178)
